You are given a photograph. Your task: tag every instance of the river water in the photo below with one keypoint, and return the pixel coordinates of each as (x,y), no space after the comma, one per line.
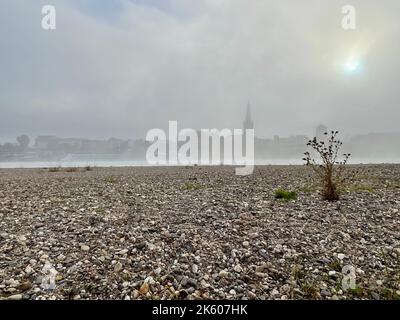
(136,163)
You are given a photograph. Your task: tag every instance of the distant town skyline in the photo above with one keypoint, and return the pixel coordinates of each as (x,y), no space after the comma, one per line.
(365,147)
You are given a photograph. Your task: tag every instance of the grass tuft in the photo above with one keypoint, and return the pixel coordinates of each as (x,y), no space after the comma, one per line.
(310,290)
(357,292)
(335,265)
(192,186)
(285,195)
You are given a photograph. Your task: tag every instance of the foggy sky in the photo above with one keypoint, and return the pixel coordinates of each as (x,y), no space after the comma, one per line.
(121,67)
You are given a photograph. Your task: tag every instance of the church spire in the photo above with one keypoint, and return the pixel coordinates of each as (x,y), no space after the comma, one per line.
(248,122)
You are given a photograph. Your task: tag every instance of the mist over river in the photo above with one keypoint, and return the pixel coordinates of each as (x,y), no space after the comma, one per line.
(143,163)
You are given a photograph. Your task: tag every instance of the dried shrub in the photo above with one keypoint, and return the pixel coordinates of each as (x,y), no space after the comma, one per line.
(329,170)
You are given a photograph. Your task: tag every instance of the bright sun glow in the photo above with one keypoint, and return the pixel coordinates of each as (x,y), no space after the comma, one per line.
(352,65)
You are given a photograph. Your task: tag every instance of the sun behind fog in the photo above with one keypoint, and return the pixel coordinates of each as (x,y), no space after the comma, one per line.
(352,65)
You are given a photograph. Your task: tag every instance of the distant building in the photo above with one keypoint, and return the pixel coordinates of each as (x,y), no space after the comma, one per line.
(384,146)
(44,142)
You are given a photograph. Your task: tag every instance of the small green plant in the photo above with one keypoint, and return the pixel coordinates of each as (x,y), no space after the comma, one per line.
(298,273)
(100,210)
(357,292)
(55,169)
(111,179)
(390,294)
(285,195)
(310,290)
(192,186)
(335,265)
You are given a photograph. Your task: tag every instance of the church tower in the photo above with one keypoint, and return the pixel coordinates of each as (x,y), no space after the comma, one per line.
(248,122)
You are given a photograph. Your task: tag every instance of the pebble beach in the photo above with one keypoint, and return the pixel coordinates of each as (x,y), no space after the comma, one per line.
(197,233)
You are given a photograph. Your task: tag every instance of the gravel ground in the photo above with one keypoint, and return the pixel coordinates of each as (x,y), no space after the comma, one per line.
(196,233)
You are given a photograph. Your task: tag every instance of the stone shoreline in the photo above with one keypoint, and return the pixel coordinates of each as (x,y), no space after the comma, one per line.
(196,233)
